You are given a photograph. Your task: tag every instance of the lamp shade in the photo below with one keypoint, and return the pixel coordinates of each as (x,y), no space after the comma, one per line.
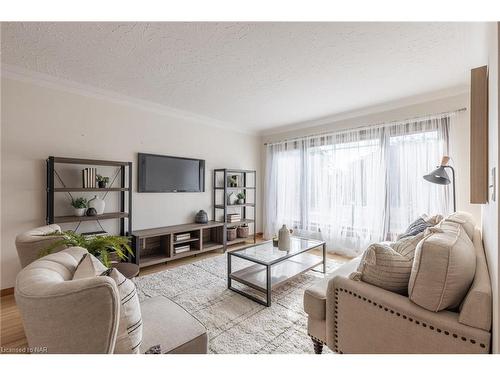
(438,176)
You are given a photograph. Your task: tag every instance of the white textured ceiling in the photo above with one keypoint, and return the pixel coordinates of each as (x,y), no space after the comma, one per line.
(253,76)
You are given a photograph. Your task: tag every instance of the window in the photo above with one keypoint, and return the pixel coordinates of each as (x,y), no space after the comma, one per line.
(356,187)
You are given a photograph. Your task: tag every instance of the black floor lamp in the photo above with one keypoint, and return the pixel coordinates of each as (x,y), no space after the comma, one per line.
(439,176)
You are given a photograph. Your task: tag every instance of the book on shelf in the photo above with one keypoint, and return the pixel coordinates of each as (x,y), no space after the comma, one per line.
(232,218)
(181,249)
(89,178)
(182,237)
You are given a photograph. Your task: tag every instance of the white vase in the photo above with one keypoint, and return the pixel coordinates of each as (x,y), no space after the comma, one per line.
(98,204)
(284,238)
(79,211)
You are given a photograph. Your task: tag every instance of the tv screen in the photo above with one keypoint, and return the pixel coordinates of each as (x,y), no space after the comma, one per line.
(159,173)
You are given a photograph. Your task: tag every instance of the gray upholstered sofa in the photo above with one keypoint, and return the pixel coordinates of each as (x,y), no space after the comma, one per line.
(355,317)
(63,315)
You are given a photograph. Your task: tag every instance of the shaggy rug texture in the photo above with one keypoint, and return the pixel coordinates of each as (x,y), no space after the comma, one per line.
(236,324)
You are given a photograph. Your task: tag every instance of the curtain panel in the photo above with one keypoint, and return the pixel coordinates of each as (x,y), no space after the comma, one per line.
(358,186)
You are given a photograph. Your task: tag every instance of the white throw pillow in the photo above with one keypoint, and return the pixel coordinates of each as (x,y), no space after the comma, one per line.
(89,266)
(129,336)
(466,220)
(443,268)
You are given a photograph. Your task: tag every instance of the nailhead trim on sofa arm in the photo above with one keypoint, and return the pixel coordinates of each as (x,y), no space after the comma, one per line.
(391,311)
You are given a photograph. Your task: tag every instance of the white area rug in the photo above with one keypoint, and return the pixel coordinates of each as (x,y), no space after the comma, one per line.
(235,323)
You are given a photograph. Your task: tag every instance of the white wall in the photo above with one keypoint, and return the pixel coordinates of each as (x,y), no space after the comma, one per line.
(39,121)
(459,133)
(490,211)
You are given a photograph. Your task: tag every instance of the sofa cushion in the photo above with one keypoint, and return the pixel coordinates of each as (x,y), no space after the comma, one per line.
(388,266)
(129,335)
(466,220)
(315,295)
(418,226)
(443,268)
(89,266)
(172,328)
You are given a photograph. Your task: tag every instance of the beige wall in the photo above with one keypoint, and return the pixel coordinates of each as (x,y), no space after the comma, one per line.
(490,211)
(459,134)
(38,121)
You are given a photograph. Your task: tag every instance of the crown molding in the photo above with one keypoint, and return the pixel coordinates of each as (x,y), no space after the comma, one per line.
(370,110)
(45,80)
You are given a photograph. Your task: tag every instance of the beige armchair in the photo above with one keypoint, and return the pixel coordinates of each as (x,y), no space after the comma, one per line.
(355,317)
(61,315)
(30,243)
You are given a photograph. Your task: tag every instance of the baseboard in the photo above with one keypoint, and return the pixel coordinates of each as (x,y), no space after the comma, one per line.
(6,292)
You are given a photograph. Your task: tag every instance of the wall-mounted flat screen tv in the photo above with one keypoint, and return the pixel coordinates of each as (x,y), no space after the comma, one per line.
(161,174)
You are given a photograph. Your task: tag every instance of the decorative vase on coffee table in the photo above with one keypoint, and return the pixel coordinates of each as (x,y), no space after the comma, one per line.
(98,204)
(284,238)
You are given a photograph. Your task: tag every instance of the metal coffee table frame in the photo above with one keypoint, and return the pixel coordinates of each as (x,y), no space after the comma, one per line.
(268,265)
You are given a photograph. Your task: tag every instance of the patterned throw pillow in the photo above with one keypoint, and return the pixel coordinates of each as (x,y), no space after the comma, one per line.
(129,336)
(418,226)
(388,266)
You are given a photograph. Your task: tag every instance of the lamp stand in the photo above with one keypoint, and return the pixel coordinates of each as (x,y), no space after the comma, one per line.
(454,190)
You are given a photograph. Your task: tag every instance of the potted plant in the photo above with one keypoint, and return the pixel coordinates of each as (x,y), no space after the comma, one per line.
(241,198)
(102,181)
(243,231)
(79,206)
(102,247)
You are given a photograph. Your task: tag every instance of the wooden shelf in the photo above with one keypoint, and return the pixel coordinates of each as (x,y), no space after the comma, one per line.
(123,188)
(161,244)
(255,275)
(185,254)
(208,246)
(236,188)
(90,162)
(186,241)
(238,223)
(56,190)
(105,216)
(221,206)
(181,228)
(150,260)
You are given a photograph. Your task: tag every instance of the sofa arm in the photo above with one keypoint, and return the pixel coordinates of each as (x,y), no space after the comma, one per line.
(362,318)
(78,316)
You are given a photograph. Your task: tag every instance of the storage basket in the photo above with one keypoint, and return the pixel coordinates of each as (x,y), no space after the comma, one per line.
(231,234)
(242,232)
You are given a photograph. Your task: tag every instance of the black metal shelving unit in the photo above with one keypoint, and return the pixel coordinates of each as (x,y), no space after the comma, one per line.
(125,191)
(247,209)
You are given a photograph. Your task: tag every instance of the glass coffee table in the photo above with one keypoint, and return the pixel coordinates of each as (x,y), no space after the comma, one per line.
(272,267)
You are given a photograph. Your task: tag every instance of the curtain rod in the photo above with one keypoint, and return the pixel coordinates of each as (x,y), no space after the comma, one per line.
(422,118)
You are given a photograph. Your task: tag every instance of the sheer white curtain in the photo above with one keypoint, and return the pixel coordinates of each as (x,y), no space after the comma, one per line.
(357,186)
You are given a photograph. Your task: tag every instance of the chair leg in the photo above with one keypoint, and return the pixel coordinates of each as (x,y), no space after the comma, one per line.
(318,346)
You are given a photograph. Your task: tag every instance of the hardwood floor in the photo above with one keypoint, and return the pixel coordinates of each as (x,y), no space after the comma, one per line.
(11,328)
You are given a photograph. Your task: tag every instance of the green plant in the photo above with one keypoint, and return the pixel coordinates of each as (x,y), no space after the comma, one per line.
(100,178)
(241,195)
(99,246)
(79,202)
